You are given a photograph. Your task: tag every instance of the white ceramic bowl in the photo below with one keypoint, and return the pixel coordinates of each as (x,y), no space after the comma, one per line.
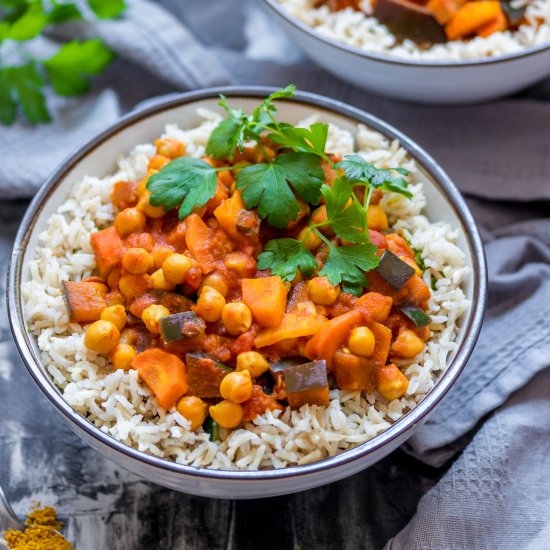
(98,158)
(432,81)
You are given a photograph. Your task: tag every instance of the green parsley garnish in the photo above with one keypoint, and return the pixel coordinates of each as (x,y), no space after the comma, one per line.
(68,71)
(274,187)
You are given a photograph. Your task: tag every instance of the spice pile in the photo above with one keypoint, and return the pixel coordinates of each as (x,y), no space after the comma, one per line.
(41,533)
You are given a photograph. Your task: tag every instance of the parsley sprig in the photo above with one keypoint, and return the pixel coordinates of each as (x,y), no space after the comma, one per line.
(274,187)
(68,71)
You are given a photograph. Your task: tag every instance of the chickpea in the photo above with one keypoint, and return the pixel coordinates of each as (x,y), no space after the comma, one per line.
(122,356)
(361,341)
(319,215)
(236,317)
(236,386)
(142,185)
(377,219)
(160,253)
(133,285)
(115,297)
(312,242)
(157,162)
(140,240)
(407,344)
(137,260)
(321,292)
(392,383)
(193,409)
(129,221)
(210,304)
(175,268)
(240,263)
(101,337)
(159,282)
(116,314)
(253,362)
(217,281)
(227,414)
(147,208)
(152,315)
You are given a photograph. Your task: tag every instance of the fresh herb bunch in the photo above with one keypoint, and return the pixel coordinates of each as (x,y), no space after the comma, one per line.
(68,71)
(275,186)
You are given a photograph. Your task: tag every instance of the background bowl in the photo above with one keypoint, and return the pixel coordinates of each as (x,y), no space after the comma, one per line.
(430,81)
(98,158)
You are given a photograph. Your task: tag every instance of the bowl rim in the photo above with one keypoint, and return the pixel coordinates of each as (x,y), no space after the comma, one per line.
(405,424)
(394,60)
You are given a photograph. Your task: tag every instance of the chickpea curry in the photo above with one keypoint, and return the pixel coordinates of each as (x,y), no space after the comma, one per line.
(228,307)
(429,22)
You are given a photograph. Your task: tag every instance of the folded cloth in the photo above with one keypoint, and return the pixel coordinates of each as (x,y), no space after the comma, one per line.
(497,150)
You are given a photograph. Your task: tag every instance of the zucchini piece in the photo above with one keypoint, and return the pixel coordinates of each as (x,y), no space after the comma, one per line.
(212,428)
(394,270)
(417,315)
(180,326)
(514,15)
(409,20)
(205,374)
(306,383)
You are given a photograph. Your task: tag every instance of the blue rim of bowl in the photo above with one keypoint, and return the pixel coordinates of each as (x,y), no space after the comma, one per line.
(401,426)
(394,60)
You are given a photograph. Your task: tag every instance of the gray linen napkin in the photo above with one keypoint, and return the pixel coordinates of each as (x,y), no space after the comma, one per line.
(497,150)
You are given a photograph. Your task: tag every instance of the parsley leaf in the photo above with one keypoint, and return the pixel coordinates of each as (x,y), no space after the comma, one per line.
(266,186)
(26,84)
(29,25)
(285,257)
(358,169)
(347,264)
(307,140)
(107,9)
(267,109)
(225,138)
(186,179)
(68,68)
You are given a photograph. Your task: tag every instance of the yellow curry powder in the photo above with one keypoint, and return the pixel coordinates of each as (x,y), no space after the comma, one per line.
(40,534)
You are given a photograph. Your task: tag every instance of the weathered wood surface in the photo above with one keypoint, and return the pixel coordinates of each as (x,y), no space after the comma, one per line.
(106,507)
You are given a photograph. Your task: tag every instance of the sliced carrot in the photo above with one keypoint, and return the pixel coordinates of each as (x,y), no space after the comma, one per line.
(376,304)
(164,373)
(332,336)
(200,241)
(444,10)
(292,326)
(500,23)
(266,298)
(471,17)
(107,247)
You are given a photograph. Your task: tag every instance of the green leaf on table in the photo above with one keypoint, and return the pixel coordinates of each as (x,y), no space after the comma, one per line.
(284,257)
(348,264)
(69,68)
(186,180)
(27,84)
(269,186)
(29,25)
(8,107)
(107,9)
(63,12)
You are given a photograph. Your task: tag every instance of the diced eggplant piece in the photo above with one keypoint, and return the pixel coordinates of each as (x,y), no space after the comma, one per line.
(84,300)
(352,372)
(175,303)
(205,374)
(417,315)
(277,367)
(514,15)
(180,326)
(409,20)
(138,337)
(394,270)
(212,428)
(248,223)
(306,384)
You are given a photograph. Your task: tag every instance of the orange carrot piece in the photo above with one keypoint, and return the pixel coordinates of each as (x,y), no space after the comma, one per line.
(107,247)
(220,195)
(376,304)
(332,335)
(444,10)
(228,212)
(164,373)
(292,326)
(266,298)
(199,239)
(500,23)
(471,17)
(85,300)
